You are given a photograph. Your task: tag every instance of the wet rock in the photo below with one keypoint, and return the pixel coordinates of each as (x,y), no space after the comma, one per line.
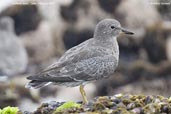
(48,107)
(26,17)
(13,59)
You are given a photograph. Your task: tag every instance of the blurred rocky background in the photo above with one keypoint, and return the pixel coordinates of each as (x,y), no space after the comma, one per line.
(34,34)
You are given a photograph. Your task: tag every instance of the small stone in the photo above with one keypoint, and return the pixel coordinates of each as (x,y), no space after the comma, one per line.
(148,100)
(137,110)
(54,104)
(130,106)
(119,95)
(117,101)
(98,106)
(165,109)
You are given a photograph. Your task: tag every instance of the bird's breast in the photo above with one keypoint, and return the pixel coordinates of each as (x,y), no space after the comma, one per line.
(107,66)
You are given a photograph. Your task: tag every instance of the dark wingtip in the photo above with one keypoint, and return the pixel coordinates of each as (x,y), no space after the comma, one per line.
(31,77)
(28,77)
(36,84)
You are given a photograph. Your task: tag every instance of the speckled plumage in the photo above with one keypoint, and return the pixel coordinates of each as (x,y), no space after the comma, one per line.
(94,59)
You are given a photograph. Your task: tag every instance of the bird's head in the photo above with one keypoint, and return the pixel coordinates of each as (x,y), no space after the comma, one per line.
(109,28)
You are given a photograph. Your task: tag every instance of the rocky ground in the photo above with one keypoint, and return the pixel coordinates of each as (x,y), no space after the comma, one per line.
(117,104)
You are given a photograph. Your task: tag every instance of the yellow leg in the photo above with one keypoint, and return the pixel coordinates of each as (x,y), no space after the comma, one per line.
(85,101)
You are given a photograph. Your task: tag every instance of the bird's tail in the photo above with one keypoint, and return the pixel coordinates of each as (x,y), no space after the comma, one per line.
(37,84)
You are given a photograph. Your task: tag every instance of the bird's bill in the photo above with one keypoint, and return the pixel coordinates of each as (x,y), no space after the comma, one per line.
(126,31)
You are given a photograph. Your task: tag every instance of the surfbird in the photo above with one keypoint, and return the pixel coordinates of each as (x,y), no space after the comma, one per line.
(94,59)
(13,58)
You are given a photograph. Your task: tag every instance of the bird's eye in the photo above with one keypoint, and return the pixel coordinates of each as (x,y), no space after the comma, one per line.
(112,27)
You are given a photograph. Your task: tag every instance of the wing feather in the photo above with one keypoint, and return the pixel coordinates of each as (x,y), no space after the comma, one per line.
(77,64)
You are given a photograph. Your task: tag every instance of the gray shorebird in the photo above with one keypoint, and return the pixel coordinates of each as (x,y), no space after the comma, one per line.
(13,55)
(94,59)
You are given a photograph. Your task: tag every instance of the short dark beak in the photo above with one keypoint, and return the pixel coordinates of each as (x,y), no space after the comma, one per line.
(126,31)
